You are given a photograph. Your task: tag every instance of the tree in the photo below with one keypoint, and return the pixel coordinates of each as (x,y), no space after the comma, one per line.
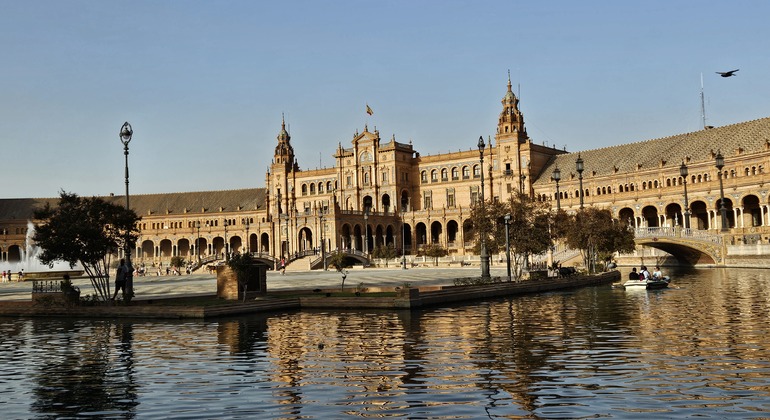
(385,252)
(177,262)
(434,251)
(88,231)
(529,230)
(595,232)
(339,261)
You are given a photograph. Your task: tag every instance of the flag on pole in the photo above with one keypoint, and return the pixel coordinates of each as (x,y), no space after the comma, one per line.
(369,110)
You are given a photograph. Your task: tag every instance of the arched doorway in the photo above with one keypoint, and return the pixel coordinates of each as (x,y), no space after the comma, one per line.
(305,238)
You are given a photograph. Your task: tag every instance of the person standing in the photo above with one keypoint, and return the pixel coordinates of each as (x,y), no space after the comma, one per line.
(120,278)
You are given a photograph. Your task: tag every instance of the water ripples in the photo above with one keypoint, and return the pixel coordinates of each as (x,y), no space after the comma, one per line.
(697,350)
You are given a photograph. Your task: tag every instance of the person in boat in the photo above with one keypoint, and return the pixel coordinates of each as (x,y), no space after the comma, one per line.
(633,275)
(657,275)
(644,274)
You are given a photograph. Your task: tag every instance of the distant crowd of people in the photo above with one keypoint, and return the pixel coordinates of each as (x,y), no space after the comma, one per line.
(8,275)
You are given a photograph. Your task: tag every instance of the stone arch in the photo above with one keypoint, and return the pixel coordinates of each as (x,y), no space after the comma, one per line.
(148,249)
(729,214)
(165,248)
(436,231)
(674,215)
(14,254)
(752,212)
(386,203)
(264,243)
(305,239)
(451,232)
(699,216)
(421,231)
(626,215)
(407,240)
(650,216)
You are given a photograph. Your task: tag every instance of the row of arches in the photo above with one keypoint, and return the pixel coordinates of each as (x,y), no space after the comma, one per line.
(455,172)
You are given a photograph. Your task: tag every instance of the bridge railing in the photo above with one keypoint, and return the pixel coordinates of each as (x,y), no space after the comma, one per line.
(677,232)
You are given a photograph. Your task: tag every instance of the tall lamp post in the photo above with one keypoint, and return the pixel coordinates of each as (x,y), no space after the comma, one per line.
(508,245)
(227,254)
(198,242)
(579,167)
(720,163)
(126,132)
(556,177)
(403,236)
(366,230)
(683,172)
(323,242)
(248,239)
(484,255)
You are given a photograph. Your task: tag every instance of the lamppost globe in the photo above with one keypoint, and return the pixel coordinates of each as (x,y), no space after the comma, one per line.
(126,132)
(579,168)
(556,176)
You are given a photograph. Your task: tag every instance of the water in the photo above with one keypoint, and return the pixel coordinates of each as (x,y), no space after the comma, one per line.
(699,349)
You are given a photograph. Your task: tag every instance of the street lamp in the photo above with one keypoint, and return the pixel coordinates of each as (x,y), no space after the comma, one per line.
(683,171)
(366,230)
(403,236)
(126,132)
(720,163)
(579,166)
(484,256)
(323,242)
(198,242)
(227,254)
(508,245)
(556,177)
(248,239)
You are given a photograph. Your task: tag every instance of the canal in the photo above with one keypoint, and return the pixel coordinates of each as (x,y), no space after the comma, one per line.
(697,349)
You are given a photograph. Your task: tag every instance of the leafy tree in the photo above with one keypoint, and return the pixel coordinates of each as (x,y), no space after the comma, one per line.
(339,261)
(529,231)
(177,262)
(434,251)
(595,232)
(385,252)
(88,231)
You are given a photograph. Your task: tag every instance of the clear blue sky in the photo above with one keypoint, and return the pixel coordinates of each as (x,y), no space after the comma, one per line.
(204,83)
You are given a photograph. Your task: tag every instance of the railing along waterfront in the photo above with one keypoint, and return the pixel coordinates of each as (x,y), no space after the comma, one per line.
(677,232)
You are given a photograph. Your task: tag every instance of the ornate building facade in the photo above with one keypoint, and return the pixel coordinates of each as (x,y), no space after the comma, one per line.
(384,193)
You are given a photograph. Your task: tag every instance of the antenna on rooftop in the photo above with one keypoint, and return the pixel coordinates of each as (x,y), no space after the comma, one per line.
(702,102)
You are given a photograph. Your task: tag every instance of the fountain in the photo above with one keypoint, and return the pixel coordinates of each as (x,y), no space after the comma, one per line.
(33,268)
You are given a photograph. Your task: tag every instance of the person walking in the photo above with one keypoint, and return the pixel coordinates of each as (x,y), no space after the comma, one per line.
(120,278)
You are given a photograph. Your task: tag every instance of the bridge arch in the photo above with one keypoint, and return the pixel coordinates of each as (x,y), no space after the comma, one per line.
(689,247)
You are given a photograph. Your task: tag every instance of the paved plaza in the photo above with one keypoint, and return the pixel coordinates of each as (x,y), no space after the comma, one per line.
(159,286)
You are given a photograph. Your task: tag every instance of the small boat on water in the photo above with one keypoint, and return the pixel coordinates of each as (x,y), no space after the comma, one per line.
(660,283)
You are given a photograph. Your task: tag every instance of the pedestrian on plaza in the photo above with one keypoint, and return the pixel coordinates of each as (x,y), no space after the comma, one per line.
(283,266)
(120,278)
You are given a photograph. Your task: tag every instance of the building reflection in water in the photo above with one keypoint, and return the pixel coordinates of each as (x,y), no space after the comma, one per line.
(549,355)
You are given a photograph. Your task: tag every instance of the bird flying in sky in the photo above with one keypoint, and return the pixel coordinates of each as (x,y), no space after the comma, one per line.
(727,73)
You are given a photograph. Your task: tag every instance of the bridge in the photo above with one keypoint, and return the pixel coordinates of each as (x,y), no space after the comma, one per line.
(687,245)
(350,253)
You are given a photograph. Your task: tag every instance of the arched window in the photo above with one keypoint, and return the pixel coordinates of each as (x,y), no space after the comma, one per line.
(466,172)
(312,189)
(455,174)
(433,176)
(320,188)
(476,171)
(444,174)
(304,189)
(423,177)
